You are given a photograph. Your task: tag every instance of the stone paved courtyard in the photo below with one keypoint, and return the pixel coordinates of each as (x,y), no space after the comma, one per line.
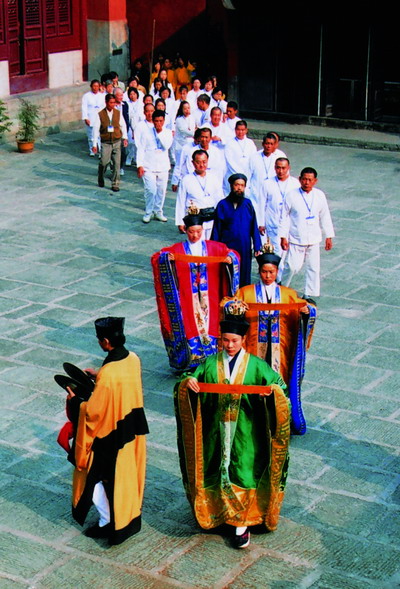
(71,252)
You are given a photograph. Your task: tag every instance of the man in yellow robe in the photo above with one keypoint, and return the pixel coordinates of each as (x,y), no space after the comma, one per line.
(109,452)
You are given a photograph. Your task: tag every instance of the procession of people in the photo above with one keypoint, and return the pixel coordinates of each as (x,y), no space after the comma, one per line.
(238,347)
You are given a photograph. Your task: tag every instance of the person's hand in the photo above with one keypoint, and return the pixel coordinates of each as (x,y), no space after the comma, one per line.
(94,149)
(284,243)
(87,122)
(328,244)
(193,384)
(70,393)
(171,257)
(91,372)
(125,142)
(261,230)
(140,172)
(228,260)
(174,187)
(181,228)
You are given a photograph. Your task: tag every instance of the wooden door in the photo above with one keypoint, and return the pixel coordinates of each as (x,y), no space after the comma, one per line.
(28,64)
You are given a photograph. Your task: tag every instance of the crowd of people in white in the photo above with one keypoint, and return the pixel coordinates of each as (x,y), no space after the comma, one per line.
(195,129)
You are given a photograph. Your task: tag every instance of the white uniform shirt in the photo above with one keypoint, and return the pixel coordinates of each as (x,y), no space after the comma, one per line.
(135,113)
(91,105)
(273,194)
(262,167)
(237,154)
(152,155)
(156,95)
(215,162)
(181,170)
(192,97)
(140,97)
(142,127)
(303,217)
(221,132)
(204,192)
(222,104)
(184,130)
(230,126)
(202,117)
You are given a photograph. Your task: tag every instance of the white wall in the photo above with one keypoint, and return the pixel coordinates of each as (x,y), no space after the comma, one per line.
(65,69)
(4,79)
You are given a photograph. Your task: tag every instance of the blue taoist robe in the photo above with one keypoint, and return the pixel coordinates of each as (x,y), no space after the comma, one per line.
(237,228)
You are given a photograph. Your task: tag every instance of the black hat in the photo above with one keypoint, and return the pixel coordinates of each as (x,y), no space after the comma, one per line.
(107,327)
(234,322)
(193,216)
(235,177)
(267,255)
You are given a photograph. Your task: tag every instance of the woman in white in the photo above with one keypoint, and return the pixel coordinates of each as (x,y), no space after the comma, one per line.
(194,93)
(135,106)
(133,83)
(184,129)
(160,105)
(92,103)
(163,76)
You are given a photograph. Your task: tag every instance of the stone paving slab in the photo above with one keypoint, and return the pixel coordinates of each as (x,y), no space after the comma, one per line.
(71,252)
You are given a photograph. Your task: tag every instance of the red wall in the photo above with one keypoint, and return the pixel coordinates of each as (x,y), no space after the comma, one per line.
(170,18)
(106,10)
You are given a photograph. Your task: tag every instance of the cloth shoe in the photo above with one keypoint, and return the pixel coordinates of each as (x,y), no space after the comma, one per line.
(98,532)
(115,188)
(122,172)
(160,217)
(146,218)
(241,541)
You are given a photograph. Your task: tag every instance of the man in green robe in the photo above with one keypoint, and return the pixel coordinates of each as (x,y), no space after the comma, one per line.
(233,423)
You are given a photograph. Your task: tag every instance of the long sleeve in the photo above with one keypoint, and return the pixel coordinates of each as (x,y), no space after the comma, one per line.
(180,204)
(85,112)
(326,220)
(255,232)
(284,223)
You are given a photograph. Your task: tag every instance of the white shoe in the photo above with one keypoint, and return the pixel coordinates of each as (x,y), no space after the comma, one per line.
(160,217)
(146,218)
(128,162)
(122,172)
(91,154)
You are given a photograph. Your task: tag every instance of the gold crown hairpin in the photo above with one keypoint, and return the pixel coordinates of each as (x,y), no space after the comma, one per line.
(236,308)
(192,209)
(267,248)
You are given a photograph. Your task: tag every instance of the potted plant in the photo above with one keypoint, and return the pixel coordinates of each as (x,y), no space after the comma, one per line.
(5,122)
(28,116)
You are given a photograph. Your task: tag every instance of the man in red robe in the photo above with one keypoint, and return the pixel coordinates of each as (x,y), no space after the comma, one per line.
(190,280)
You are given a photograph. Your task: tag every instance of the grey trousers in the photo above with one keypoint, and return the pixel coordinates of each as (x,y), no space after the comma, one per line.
(110,152)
